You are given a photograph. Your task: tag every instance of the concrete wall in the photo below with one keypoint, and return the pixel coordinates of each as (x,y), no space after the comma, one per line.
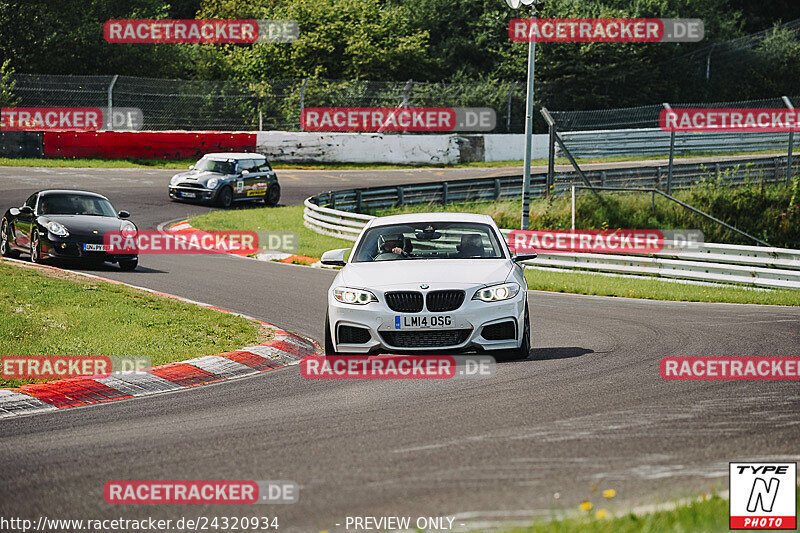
(290,146)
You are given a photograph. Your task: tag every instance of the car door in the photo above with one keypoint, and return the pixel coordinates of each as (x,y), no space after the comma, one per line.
(23,223)
(254,182)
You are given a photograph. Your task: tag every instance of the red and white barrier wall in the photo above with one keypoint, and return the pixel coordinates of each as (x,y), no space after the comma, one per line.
(282,146)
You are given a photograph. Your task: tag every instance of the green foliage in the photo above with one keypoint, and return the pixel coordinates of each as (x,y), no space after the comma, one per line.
(7,84)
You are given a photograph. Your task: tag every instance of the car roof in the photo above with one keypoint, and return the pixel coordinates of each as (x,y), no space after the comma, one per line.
(223,156)
(412,218)
(48,192)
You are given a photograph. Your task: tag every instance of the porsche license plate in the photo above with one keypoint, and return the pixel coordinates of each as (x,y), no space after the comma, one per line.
(95,248)
(188,195)
(422,321)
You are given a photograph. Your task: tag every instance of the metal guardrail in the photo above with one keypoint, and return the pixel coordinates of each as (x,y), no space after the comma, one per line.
(654,141)
(755,266)
(739,171)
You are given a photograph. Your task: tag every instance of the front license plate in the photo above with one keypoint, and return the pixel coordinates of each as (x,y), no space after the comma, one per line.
(188,195)
(95,248)
(422,321)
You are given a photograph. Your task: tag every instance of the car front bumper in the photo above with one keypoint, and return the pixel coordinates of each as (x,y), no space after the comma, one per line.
(72,248)
(465,333)
(201,195)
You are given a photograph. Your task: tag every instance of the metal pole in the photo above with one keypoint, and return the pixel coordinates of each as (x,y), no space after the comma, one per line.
(260,120)
(303,96)
(551,157)
(111,102)
(526,174)
(791,144)
(572,188)
(671,154)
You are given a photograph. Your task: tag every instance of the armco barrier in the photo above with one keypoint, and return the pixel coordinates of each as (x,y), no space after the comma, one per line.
(653,141)
(733,171)
(145,144)
(721,263)
(21,144)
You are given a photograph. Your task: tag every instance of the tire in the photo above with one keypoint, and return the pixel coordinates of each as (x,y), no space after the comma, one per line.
(129,264)
(329,350)
(225,197)
(5,241)
(36,248)
(273,195)
(524,350)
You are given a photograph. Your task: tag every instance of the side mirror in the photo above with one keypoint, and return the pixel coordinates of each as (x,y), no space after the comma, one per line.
(191,167)
(123,214)
(524,257)
(335,257)
(245,172)
(26,210)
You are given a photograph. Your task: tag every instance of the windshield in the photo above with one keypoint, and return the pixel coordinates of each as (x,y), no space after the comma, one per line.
(75,204)
(429,240)
(214,165)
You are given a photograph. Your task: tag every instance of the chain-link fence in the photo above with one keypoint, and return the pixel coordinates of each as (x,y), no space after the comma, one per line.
(265,105)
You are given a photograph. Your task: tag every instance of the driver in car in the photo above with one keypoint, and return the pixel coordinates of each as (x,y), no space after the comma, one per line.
(392,244)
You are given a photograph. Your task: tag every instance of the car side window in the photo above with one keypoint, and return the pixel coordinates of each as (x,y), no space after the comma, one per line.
(263,165)
(31,201)
(247,164)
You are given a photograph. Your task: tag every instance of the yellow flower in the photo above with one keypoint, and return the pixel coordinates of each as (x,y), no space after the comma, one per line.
(609,493)
(601,514)
(586,506)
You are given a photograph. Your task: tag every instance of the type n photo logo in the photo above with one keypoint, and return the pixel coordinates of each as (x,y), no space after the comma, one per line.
(763,495)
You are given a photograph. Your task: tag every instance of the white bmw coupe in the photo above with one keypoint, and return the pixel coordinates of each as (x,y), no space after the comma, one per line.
(428,283)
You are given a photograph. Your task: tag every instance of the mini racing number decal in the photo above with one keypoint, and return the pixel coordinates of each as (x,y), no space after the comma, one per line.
(239,186)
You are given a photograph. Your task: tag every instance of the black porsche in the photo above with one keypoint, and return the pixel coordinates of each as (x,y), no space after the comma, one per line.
(57,224)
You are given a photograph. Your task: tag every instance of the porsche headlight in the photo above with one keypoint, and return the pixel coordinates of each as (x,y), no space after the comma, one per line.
(57,229)
(353,296)
(212,183)
(496,293)
(127,229)
(175,179)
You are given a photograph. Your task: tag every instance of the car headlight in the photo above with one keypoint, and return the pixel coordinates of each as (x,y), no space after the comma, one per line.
(175,179)
(127,229)
(212,183)
(57,229)
(496,293)
(353,296)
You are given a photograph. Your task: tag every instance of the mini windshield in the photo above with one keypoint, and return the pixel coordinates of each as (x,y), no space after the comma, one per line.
(214,165)
(429,240)
(75,204)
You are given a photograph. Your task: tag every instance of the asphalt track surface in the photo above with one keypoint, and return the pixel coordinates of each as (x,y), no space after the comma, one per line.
(588,407)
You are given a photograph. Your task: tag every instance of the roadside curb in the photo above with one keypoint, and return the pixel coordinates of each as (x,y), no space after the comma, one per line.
(183,227)
(284,349)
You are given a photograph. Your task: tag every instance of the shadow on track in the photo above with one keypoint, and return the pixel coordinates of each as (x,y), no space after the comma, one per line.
(561,352)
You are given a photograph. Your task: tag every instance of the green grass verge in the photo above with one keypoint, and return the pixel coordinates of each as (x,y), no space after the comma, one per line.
(288,218)
(654,289)
(706,516)
(60,313)
(313,245)
(184,164)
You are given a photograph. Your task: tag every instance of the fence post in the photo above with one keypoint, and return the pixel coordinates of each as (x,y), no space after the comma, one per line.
(791,144)
(777,168)
(332,199)
(444,192)
(551,158)
(400,196)
(497,188)
(508,113)
(303,96)
(603,177)
(658,178)
(572,188)
(111,102)
(718,170)
(358,200)
(671,153)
